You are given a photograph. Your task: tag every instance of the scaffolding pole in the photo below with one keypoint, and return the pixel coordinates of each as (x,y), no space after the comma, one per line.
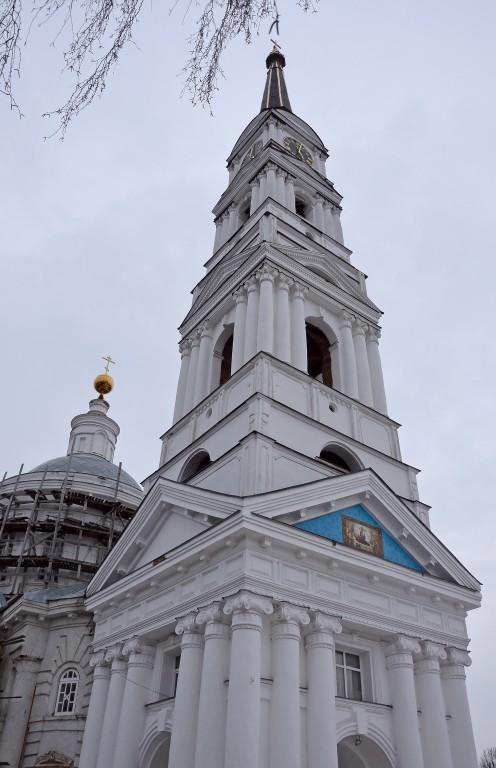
(28,530)
(114,509)
(48,573)
(9,505)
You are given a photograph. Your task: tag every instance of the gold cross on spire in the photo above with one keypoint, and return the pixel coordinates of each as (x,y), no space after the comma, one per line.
(108,360)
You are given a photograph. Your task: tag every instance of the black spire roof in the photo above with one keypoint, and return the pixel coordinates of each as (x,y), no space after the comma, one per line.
(275,93)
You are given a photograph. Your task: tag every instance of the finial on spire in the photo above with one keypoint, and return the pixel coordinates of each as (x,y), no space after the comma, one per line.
(104,383)
(275,94)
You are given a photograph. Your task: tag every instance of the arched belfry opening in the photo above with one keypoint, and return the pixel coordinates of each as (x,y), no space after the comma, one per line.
(318,355)
(194,465)
(226,360)
(340,459)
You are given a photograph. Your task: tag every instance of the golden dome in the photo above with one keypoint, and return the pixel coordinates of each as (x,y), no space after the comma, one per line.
(103,384)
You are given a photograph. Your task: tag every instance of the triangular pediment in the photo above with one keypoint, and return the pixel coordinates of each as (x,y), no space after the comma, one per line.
(355,527)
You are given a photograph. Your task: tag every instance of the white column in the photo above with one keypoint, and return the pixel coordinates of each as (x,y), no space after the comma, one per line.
(96,710)
(362,363)
(375,367)
(218,234)
(283,319)
(243,704)
(321,697)
(272,129)
(183,740)
(252,289)
(328,221)
(434,731)
(204,368)
(17,719)
(189,396)
(271,181)
(298,329)
(347,362)
(225,227)
(285,699)
(255,195)
(212,712)
(399,663)
(290,194)
(263,185)
(461,735)
(232,224)
(239,330)
(281,186)
(185,349)
(318,212)
(265,329)
(108,737)
(132,714)
(338,230)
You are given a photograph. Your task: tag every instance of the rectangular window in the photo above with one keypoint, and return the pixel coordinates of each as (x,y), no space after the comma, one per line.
(169,674)
(348,676)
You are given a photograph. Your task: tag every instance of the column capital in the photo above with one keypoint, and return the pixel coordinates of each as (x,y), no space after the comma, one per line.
(270,167)
(251,284)
(373,334)
(211,614)
(255,182)
(195,338)
(284,282)
(185,347)
(280,171)
(267,273)
(99,659)
(430,651)
(205,330)
(457,657)
(247,602)
(286,613)
(137,645)
(403,644)
(319,199)
(327,205)
(239,295)
(359,327)
(114,653)
(346,319)
(322,622)
(186,624)
(299,291)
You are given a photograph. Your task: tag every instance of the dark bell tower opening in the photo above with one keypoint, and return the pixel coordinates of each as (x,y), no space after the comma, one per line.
(225,367)
(318,356)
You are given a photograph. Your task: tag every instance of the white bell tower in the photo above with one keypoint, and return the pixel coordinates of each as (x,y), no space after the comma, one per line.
(278,600)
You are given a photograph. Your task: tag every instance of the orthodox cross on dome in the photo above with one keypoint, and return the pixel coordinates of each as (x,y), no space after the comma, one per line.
(108,360)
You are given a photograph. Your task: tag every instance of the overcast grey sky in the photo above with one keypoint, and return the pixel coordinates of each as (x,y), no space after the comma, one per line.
(105,234)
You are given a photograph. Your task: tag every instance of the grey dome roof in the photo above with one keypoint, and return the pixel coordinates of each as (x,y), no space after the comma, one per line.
(88,464)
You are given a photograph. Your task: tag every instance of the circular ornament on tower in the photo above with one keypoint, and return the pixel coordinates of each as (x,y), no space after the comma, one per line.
(252,152)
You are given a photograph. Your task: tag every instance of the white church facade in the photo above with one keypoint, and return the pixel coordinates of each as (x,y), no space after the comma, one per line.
(279,600)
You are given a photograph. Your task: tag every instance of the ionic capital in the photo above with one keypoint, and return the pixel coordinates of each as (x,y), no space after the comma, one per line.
(321,622)
(319,199)
(281,172)
(99,659)
(403,644)
(195,338)
(271,167)
(186,624)
(247,602)
(239,296)
(213,613)
(457,657)
(287,613)
(430,651)
(267,273)
(136,645)
(205,330)
(114,654)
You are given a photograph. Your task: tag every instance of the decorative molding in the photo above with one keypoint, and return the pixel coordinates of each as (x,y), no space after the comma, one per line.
(287,613)
(457,657)
(186,624)
(136,645)
(321,622)
(431,651)
(114,653)
(99,659)
(403,644)
(213,613)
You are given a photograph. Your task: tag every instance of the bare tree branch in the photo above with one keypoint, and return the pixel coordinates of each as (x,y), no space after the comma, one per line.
(100,29)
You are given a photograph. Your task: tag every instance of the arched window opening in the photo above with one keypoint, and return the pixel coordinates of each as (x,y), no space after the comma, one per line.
(318,355)
(301,207)
(244,213)
(195,465)
(67,692)
(225,366)
(334,460)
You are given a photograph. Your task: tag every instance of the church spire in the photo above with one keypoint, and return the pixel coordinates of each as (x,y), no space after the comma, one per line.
(275,94)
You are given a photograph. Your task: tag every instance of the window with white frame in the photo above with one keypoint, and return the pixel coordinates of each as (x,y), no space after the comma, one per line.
(169,674)
(67,692)
(349,676)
